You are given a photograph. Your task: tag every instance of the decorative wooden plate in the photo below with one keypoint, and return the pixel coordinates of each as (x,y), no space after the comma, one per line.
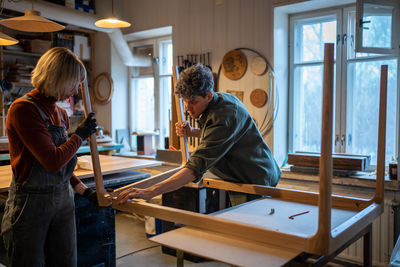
(258,66)
(258,97)
(103,98)
(234,64)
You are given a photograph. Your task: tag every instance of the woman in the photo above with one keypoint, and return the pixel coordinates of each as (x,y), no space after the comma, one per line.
(39,220)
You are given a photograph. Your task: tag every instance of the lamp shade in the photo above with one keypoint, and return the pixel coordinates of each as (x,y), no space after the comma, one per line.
(32,22)
(7,40)
(111,23)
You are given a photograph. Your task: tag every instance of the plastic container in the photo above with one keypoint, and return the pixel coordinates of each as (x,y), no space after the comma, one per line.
(393,170)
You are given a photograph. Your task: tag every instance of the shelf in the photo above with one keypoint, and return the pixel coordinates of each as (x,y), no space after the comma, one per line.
(21,53)
(22,84)
(81,150)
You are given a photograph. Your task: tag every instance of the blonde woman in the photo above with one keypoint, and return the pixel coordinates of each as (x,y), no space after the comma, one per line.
(39,220)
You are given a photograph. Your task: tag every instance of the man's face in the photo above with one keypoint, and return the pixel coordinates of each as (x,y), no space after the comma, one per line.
(197,105)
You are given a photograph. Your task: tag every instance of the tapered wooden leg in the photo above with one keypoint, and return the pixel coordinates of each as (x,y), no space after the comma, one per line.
(368,247)
(179,258)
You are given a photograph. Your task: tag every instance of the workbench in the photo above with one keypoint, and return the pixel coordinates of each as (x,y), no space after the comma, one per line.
(82,150)
(96,225)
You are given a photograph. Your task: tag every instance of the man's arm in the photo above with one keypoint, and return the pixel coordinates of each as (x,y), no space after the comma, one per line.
(185,128)
(174,182)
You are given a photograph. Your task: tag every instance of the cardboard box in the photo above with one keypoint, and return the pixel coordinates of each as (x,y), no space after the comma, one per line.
(36,45)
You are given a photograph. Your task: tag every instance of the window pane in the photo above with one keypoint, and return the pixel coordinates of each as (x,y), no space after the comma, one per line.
(145,104)
(165,102)
(166,58)
(363,107)
(377,27)
(313,36)
(308,104)
(350,41)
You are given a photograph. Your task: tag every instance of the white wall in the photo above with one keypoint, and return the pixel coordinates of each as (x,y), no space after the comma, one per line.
(102,63)
(119,103)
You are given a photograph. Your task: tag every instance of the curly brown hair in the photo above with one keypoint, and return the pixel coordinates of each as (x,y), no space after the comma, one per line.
(194,81)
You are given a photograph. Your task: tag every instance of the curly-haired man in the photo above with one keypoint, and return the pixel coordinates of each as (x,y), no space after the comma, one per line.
(231,146)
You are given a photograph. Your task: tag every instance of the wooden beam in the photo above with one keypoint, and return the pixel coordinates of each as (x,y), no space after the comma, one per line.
(149,181)
(98,177)
(298,196)
(181,117)
(212,223)
(380,166)
(325,166)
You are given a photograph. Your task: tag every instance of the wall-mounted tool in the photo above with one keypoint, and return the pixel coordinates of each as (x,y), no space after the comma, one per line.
(189,60)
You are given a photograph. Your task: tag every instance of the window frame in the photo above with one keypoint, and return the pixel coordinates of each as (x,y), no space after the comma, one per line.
(341,74)
(160,104)
(395,26)
(309,16)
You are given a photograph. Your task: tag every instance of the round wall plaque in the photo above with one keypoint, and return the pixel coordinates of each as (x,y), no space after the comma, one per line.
(258,97)
(103,88)
(258,66)
(234,64)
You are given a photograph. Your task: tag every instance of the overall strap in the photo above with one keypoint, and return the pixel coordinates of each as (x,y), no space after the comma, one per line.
(61,117)
(44,116)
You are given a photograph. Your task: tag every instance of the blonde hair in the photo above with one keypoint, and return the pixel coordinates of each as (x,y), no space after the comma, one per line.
(57,71)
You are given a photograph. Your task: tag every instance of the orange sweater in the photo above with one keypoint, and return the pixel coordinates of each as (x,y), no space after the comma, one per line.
(29,138)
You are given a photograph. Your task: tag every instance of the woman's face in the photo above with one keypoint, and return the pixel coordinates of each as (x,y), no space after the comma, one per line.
(70,92)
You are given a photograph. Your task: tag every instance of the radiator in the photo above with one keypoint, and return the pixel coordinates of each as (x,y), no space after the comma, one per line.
(384,230)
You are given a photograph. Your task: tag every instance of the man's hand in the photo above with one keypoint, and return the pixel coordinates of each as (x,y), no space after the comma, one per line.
(183,128)
(130,193)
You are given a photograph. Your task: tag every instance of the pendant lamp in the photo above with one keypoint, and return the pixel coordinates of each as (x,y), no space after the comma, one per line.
(112,22)
(7,40)
(32,22)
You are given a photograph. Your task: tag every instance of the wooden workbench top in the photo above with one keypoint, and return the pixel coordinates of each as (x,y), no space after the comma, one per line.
(109,165)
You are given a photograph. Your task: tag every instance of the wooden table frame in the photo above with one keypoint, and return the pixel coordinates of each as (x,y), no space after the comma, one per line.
(326,240)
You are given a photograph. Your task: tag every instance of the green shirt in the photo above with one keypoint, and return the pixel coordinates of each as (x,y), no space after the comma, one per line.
(231,145)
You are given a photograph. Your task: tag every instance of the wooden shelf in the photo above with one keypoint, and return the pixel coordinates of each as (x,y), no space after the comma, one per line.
(22,84)
(21,53)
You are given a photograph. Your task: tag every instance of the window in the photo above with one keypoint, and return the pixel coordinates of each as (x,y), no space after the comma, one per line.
(357,79)
(150,89)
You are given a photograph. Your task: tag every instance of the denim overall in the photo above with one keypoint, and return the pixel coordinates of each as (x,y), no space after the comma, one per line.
(38,226)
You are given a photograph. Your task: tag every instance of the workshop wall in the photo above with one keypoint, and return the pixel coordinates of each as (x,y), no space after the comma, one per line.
(215,26)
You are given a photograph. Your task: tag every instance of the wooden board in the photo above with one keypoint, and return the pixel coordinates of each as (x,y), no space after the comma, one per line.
(257,213)
(109,165)
(340,162)
(225,248)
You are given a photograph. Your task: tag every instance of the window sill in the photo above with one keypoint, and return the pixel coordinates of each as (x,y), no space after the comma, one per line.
(362,179)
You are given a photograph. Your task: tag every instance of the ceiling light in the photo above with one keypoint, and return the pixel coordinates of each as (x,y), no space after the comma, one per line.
(7,40)
(32,22)
(112,22)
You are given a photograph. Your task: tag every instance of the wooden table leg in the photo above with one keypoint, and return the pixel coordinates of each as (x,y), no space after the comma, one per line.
(368,247)
(179,258)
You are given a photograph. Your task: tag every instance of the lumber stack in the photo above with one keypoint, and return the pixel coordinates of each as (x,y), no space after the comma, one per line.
(342,163)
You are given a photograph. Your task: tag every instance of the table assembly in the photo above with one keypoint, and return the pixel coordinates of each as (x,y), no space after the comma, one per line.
(284,226)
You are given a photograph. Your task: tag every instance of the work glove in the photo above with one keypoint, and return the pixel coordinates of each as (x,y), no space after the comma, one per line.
(91,195)
(87,127)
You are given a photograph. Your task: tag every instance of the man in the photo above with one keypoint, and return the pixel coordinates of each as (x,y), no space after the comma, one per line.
(231,146)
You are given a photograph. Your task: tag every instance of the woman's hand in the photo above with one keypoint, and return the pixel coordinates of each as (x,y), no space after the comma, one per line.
(183,128)
(131,193)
